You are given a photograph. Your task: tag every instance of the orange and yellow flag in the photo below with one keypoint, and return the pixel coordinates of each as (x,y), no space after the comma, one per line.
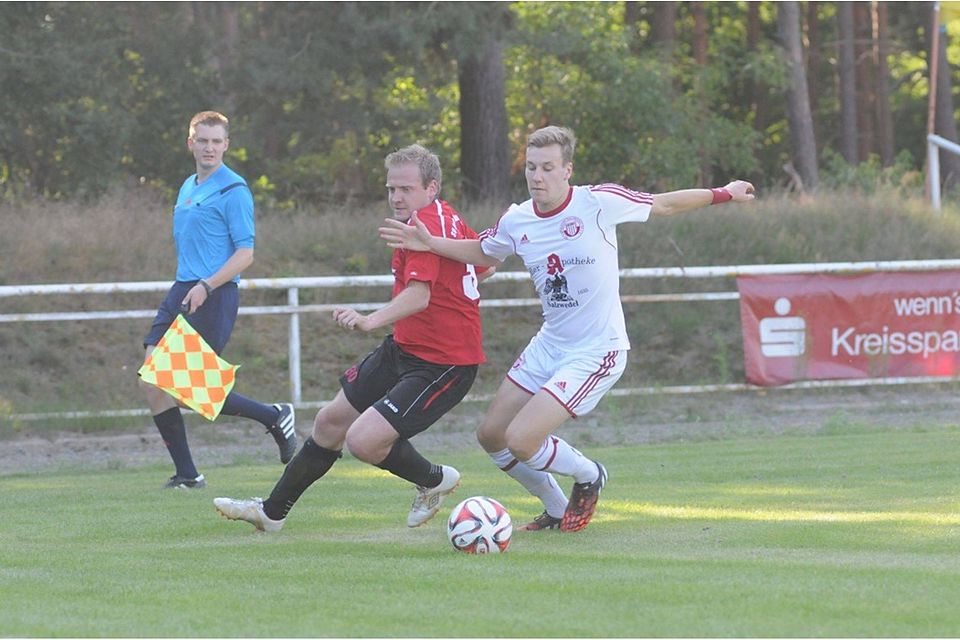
(186,367)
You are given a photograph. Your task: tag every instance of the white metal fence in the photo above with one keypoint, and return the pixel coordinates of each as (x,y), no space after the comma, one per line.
(294,309)
(934,143)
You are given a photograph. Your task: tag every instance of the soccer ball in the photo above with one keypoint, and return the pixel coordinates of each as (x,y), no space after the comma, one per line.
(480,525)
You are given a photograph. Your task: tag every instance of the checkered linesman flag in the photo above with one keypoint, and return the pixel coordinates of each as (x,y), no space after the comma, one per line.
(186,367)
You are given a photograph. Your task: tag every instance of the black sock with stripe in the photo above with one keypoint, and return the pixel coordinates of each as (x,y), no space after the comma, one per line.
(238,405)
(309,465)
(406,462)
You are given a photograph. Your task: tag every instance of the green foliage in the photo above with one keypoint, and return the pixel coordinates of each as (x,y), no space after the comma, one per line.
(63,76)
(870,176)
(99,94)
(633,126)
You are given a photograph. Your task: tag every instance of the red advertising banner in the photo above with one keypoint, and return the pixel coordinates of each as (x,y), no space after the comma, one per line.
(827,327)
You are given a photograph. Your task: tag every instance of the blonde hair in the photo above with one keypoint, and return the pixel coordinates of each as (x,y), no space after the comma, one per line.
(555,135)
(210,119)
(426,161)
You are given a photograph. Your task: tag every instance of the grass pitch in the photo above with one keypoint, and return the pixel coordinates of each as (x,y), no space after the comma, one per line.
(837,534)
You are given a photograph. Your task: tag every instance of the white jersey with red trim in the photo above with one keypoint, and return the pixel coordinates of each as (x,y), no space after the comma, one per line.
(571,254)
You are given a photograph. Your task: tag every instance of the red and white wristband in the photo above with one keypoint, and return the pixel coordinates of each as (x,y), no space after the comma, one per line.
(721,195)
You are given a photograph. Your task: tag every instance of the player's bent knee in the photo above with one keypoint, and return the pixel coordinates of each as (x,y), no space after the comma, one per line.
(364,450)
(490,440)
(492,437)
(522,453)
(521,445)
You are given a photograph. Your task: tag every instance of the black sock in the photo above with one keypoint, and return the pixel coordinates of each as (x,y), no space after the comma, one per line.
(238,405)
(406,462)
(174,434)
(308,466)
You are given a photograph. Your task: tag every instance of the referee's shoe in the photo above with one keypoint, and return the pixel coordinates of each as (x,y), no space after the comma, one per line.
(284,433)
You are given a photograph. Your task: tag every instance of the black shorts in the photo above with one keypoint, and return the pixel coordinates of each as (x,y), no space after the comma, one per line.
(213,320)
(409,392)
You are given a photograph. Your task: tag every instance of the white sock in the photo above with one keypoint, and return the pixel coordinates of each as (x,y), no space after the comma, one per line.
(539,483)
(557,456)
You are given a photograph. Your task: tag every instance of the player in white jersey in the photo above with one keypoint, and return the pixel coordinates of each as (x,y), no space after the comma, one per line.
(566,237)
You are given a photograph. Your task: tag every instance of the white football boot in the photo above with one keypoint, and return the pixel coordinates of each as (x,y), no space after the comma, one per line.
(428,500)
(249,511)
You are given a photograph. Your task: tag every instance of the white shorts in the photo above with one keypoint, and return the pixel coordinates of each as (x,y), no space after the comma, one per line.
(576,379)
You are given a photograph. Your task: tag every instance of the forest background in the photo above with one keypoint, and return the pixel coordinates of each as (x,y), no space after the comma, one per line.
(662,95)
(823,105)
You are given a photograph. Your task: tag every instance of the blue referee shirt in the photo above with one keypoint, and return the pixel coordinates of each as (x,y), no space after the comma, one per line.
(210,222)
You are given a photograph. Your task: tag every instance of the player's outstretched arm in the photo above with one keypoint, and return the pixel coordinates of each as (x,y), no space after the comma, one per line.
(416,237)
(674,202)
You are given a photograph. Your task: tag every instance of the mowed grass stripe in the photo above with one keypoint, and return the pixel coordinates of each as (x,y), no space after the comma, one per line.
(829,535)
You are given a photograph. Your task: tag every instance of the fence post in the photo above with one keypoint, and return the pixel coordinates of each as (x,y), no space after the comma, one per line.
(933,170)
(293,299)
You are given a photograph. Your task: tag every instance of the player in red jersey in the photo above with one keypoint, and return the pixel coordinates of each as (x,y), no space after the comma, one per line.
(413,378)
(566,236)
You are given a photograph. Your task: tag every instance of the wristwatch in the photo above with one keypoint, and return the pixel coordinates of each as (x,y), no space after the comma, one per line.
(206,286)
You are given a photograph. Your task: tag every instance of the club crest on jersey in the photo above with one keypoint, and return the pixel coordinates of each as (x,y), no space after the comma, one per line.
(571,227)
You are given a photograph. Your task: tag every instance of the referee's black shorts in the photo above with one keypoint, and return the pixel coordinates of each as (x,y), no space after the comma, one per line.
(409,392)
(214,319)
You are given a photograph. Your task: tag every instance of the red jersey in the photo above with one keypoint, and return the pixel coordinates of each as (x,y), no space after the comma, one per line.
(448,330)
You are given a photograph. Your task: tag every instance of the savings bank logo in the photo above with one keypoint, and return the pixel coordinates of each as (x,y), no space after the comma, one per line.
(571,228)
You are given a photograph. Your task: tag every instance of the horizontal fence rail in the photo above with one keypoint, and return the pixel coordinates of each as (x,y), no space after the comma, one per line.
(294,309)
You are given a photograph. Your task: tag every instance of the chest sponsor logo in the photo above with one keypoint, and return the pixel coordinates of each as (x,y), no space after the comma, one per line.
(556,291)
(571,228)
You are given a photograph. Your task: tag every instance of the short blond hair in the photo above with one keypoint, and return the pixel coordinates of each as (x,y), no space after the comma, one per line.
(210,119)
(426,161)
(555,135)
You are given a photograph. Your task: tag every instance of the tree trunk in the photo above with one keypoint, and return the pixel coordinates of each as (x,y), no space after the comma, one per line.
(225,56)
(848,84)
(757,89)
(699,11)
(484,146)
(866,100)
(881,51)
(798,104)
(663,27)
(813,65)
(272,143)
(632,11)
